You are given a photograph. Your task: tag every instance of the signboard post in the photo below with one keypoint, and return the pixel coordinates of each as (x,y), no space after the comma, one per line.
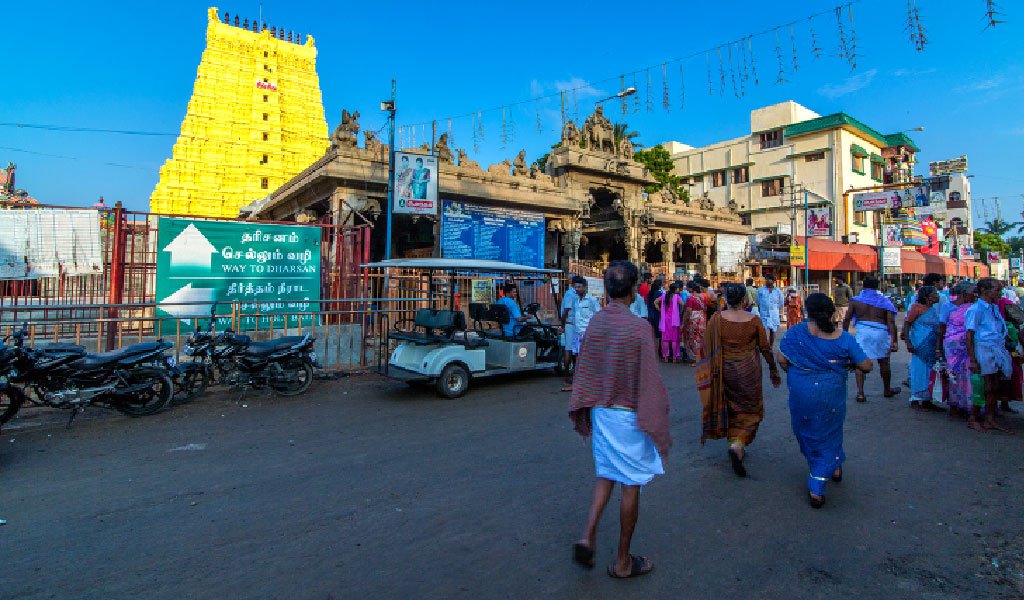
(492,233)
(797,257)
(890,260)
(272,270)
(415,184)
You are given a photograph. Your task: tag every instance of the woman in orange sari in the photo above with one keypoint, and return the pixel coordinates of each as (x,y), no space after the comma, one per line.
(794,309)
(730,382)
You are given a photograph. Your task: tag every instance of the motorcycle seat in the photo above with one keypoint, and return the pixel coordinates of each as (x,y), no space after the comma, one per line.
(272,346)
(61,348)
(104,358)
(237,338)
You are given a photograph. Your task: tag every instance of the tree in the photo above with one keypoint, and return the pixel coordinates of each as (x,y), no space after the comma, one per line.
(985,241)
(1016,244)
(1000,227)
(620,132)
(659,162)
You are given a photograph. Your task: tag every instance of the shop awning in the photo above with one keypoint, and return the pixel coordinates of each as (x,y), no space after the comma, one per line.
(828,255)
(939,264)
(970,268)
(913,262)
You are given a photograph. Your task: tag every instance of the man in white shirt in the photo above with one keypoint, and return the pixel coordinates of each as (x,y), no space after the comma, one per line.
(586,307)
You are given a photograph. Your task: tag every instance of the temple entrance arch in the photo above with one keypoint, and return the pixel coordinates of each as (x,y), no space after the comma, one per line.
(603,228)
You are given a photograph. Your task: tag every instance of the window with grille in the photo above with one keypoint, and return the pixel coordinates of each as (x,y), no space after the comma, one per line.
(741,175)
(718,178)
(772,187)
(771,139)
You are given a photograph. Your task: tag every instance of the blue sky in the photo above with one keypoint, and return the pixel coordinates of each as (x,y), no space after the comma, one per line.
(131,67)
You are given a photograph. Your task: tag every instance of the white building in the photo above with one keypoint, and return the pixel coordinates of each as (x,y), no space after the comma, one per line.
(791,149)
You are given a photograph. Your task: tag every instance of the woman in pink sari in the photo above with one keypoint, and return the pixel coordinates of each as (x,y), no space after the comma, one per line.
(670,306)
(954,346)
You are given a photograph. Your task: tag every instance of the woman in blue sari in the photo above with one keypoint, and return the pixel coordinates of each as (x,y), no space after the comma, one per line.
(817,358)
(921,333)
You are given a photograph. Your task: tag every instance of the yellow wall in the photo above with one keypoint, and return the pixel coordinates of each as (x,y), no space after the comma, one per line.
(215,167)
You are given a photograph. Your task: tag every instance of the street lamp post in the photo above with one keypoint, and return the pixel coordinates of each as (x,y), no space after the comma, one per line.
(626,92)
(389,106)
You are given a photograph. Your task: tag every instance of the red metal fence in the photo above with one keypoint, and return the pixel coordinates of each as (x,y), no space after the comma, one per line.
(128,275)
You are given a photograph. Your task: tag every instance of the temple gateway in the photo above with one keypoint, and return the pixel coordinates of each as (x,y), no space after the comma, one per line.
(590,194)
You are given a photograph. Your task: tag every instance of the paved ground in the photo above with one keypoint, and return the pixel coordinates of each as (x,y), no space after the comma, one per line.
(367,489)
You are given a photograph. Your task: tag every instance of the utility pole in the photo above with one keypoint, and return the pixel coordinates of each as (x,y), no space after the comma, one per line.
(389,106)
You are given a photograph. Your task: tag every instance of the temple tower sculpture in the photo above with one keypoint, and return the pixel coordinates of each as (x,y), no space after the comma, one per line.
(255,120)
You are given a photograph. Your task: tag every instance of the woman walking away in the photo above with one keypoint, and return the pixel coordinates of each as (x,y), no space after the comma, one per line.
(653,314)
(671,308)
(920,332)
(695,322)
(817,357)
(958,361)
(733,405)
(794,308)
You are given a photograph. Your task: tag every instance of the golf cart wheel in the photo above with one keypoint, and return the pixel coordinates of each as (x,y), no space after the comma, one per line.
(454,381)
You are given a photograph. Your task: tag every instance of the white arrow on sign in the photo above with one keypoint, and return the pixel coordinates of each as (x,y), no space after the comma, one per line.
(191,249)
(201,299)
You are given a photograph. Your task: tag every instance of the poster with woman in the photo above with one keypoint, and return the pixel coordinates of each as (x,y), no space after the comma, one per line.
(415,183)
(819,221)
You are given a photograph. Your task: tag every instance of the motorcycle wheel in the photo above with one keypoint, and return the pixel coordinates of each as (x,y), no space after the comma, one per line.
(150,400)
(192,384)
(11,400)
(303,375)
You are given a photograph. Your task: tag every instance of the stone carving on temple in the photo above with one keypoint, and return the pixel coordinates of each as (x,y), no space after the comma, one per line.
(626,149)
(570,135)
(733,206)
(598,132)
(465,163)
(444,153)
(372,143)
(519,164)
(503,168)
(706,203)
(346,134)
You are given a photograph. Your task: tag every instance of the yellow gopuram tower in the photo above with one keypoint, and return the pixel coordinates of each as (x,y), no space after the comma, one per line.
(255,120)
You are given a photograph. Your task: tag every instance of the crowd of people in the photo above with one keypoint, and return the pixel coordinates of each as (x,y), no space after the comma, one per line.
(963,339)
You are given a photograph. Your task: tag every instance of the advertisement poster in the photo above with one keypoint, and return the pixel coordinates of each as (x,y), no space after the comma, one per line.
(269,270)
(993,257)
(876,201)
(819,221)
(595,286)
(931,234)
(890,260)
(892,235)
(482,291)
(913,234)
(492,233)
(796,256)
(730,252)
(1014,263)
(415,184)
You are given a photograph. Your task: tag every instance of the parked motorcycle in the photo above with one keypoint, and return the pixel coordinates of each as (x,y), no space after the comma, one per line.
(133,380)
(284,365)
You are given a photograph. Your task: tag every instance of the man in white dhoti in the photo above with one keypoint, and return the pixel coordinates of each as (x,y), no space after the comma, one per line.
(875,317)
(620,401)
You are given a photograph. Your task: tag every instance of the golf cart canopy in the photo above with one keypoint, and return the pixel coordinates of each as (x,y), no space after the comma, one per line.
(459,264)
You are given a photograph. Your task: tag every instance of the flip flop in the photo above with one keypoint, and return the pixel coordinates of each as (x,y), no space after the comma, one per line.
(862,398)
(893,392)
(583,555)
(567,388)
(640,566)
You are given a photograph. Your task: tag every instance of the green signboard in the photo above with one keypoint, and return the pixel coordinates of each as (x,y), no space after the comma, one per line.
(270,272)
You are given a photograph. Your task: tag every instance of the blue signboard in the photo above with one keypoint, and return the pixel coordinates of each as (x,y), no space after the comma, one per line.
(490,233)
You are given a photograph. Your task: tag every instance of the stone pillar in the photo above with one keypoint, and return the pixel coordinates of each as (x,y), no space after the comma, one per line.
(705,245)
(668,247)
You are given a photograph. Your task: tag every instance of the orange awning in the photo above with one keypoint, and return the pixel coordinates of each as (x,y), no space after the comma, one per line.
(913,262)
(967,268)
(939,264)
(829,255)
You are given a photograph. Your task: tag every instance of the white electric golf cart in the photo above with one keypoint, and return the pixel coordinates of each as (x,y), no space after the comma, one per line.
(439,347)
